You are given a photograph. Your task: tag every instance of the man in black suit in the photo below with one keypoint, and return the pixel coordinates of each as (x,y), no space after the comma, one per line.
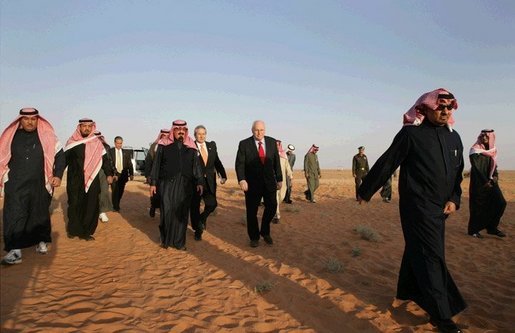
(124,171)
(259,175)
(211,165)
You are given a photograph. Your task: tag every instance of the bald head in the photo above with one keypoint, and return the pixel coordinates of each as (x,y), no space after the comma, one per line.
(258,129)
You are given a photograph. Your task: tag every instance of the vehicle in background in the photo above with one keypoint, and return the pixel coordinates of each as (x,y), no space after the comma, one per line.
(138,159)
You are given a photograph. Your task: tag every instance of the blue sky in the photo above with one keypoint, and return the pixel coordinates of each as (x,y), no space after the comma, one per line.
(339,74)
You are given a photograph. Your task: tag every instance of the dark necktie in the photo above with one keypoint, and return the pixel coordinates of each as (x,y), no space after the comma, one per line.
(261,152)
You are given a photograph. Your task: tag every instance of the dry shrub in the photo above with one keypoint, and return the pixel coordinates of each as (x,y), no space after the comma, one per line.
(263,287)
(334,265)
(367,233)
(356,252)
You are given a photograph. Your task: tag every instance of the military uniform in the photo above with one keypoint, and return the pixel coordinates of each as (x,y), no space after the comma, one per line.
(359,169)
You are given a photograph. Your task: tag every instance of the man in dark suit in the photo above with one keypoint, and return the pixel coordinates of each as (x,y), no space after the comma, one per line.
(259,175)
(211,165)
(124,171)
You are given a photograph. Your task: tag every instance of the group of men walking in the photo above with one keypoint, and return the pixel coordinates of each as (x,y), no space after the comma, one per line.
(32,164)
(182,172)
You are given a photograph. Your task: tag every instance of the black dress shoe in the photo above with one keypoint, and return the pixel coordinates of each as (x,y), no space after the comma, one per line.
(497,233)
(152,212)
(198,235)
(307,195)
(268,239)
(254,243)
(477,235)
(445,325)
(275,220)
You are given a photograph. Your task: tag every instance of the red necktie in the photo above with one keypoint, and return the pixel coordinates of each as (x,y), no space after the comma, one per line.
(261,152)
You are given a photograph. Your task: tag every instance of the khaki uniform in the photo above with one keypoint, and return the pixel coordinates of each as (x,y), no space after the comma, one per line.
(359,169)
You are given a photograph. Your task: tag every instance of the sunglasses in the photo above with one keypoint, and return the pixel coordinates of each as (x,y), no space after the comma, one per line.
(442,107)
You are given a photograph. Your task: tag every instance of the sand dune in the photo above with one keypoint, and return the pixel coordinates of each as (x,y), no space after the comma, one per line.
(124,282)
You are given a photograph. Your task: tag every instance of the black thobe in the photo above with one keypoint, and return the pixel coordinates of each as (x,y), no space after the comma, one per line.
(386,190)
(27,201)
(431,161)
(155,200)
(83,207)
(176,171)
(486,202)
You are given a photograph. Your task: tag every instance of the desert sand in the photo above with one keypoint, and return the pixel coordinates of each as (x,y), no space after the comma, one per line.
(319,276)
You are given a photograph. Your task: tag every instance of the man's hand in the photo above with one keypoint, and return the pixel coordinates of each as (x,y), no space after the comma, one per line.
(243,185)
(55,182)
(279,185)
(200,189)
(114,179)
(110,179)
(152,190)
(450,207)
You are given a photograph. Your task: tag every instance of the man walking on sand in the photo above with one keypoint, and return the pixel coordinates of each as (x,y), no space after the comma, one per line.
(31,165)
(430,154)
(312,172)
(85,156)
(176,169)
(259,175)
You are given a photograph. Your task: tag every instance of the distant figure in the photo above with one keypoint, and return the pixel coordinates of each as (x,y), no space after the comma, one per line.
(287,173)
(386,191)
(211,166)
(430,154)
(291,160)
(31,165)
(104,198)
(122,159)
(155,200)
(259,175)
(486,202)
(312,172)
(359,167)
(85,156)
(177,170)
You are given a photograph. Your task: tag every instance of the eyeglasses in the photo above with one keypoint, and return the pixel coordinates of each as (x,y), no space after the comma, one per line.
(442,107)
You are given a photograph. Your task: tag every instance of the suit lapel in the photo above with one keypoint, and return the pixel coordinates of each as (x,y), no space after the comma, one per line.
(269,147)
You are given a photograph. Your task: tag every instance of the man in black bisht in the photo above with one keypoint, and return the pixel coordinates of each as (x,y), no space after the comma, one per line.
(176,169)
(486,202)
(85,156)
(155,200)
(31,165)
(430,154)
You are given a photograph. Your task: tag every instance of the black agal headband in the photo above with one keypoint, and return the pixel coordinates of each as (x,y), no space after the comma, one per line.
(446,96)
